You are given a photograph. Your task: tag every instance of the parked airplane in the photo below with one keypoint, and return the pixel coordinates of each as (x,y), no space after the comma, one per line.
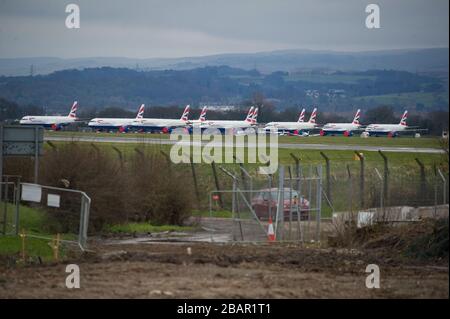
(120,124)
(201,119)
(53,122)
(222,125)
(161,125)
(391,130)
(346,129)
(295,128)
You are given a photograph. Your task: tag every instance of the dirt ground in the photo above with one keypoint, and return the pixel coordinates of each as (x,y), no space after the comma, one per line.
(168,270)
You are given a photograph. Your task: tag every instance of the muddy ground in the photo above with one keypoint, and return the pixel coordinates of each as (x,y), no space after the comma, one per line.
(167,270)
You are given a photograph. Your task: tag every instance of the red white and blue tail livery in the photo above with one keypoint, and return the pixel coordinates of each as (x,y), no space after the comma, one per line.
(52,122)
(301,118)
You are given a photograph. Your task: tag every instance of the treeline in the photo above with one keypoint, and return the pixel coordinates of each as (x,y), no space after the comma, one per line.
(101,87)
(10,111)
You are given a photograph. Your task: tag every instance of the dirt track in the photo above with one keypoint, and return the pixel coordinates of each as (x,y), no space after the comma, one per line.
(226,271)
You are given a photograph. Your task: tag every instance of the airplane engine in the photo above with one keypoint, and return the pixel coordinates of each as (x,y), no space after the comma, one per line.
(123,129)
(296,132)
(165,130)
(322,133)
(347,133)
(56,127)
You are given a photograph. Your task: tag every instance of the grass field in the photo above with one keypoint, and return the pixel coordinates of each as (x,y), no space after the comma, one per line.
(423,142)
(32,223)
(407,98)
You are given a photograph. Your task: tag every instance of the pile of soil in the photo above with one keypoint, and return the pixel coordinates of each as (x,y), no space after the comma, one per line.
(426,239)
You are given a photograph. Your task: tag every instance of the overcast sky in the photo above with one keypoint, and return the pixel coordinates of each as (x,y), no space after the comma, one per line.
(177,28)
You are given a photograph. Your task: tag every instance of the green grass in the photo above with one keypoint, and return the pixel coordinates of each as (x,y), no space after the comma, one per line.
(32,222)
(403,141)
(328,78)
(215,213)
(407,98)
(141,228)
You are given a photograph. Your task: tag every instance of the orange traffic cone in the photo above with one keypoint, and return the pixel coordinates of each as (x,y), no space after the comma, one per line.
(270,232)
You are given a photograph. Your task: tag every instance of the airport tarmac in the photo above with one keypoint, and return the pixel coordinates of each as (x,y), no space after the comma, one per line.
(141,140)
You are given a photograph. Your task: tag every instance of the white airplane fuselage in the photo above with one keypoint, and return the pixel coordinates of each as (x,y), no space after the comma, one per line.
(154,124)
(340,127)
(374,129)
(290,126)
(109,123)
(224,124)
(47,121)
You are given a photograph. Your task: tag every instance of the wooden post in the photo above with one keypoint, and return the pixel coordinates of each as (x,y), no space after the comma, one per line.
(22,236)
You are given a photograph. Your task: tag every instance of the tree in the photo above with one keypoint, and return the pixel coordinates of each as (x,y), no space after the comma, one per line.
(381,114)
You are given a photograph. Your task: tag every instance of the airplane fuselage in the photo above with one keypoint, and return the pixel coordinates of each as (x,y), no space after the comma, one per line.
(47,121)
(290,126)
(340,128)
(385,129)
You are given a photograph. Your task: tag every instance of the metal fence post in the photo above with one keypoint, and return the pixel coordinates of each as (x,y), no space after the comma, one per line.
(36,155)
(381,193)
(216,181)
(422,178)
(386,175)
(328,187)
(444,187)
(361,179)
(319,202)
(279,223)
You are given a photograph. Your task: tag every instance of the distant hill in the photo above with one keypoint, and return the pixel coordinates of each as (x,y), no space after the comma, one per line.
(338,91)
(413,60)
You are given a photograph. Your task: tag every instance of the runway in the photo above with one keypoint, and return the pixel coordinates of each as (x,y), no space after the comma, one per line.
(156,141)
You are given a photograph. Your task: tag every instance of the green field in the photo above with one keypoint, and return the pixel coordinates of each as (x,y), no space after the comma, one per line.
(32,223)
(407,98)
(328,78)
(424,142)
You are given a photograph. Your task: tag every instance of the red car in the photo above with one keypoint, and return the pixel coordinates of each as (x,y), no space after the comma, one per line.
(265,202)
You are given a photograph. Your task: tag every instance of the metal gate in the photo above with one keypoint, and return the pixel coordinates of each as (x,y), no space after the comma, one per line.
(43,211)
(291,200)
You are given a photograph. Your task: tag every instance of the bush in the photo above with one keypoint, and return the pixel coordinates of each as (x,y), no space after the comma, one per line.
(145,188)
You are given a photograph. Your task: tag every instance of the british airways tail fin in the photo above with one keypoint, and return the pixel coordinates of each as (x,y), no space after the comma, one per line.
(202,117)
(249,115)
(185,115)
(73,110)
(312,119)
(357,116)
(140,113)
(404,118)
(301,118)
(254,116)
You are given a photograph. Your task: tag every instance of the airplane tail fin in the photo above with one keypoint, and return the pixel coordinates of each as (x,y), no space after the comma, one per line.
(249,115)
(140,113)
(73,110)
(357,116)
(301,118)
(185,115)
(312,119)
(404,118)
(255,116)
(202,117)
